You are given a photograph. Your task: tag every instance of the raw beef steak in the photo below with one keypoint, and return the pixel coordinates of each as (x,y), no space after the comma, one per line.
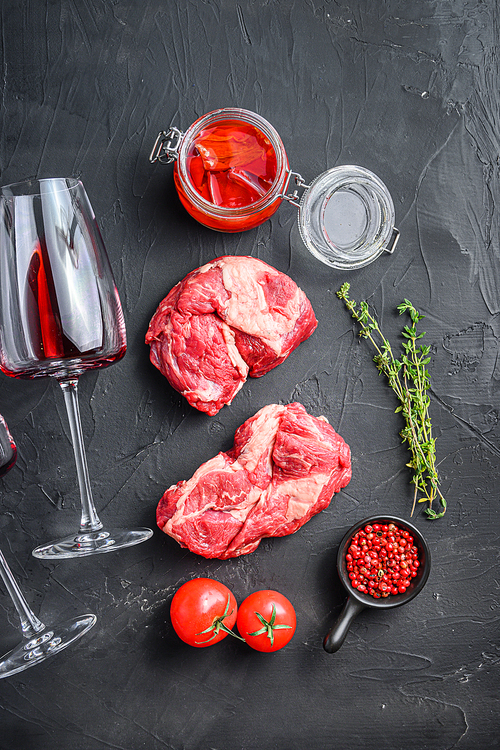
(284,467)
(233,317)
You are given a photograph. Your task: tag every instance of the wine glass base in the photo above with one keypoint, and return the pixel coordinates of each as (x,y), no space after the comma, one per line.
(86,543)
(41,646)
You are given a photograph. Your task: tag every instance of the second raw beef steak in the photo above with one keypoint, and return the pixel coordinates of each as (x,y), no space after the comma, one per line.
(284,467)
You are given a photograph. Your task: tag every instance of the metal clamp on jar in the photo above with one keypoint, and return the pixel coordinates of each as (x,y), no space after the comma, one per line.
(231,173)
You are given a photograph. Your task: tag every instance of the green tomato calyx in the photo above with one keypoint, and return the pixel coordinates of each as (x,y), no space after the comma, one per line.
(269,626)
(218,625)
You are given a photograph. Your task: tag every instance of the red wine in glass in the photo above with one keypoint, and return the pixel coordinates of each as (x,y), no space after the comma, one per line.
(60,315)
(8,449)
(40,641)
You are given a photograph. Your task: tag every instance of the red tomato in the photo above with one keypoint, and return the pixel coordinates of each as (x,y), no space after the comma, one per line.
(266,620)
(203,611)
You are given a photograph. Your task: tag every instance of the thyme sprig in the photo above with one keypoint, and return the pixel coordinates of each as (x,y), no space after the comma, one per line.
(410,381)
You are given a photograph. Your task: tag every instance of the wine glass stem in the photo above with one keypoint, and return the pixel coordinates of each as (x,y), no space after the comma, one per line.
(90,520)
(30,624)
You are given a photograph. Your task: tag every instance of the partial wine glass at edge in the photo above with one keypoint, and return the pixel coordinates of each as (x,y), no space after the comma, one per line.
(60,315)
(40,641)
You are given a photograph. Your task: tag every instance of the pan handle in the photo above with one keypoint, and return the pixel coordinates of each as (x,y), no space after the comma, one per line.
(336,636)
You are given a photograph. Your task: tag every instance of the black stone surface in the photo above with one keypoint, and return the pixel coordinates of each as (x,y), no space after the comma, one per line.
(408,90)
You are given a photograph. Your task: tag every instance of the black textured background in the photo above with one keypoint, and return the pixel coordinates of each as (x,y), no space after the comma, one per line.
(409,90)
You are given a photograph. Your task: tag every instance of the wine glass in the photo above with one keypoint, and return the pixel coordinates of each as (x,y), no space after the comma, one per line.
(40,641)
(60,315)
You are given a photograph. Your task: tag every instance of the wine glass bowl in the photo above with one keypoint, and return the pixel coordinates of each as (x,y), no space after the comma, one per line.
(40,642)
(60,315)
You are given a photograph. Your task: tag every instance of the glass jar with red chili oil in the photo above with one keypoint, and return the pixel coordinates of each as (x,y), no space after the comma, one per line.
(230,170)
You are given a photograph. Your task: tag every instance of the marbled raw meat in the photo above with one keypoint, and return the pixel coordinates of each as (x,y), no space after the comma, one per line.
(232,318)
(284,467)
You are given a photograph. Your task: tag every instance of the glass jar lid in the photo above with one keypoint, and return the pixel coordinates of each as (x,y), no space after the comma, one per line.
(346,218)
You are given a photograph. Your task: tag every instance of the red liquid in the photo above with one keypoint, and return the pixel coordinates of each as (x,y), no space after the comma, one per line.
(45,319)
(43,329)
(8,450)
(231,164)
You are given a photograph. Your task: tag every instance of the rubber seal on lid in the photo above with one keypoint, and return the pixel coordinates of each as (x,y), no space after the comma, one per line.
(346,218)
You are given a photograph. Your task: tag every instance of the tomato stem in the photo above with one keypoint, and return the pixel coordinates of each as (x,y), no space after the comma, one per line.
(218,625)
(269,626)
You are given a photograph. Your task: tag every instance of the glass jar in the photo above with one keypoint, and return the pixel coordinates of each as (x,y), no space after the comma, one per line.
(231,173)
(346,218)
(243,168)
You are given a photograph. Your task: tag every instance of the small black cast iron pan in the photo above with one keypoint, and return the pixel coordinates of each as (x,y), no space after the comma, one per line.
(357,601)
